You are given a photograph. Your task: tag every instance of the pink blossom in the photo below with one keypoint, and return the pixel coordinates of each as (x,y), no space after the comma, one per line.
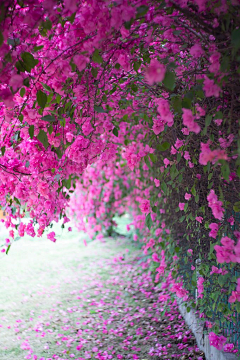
(187,196)
(155,257)
(199,219)
(155,72)
(181,206)
(51,236)
(217,341)
(156,182)
(200,287)
(179,143)
(228,347)
(81,61)
(188,121)
(215,205)
(16,82)
(231,220)
(166,162)
(214,230)
(196,51)
(158,125)
(164,111)
(210,88)
(190,251)
(145,206)
(218,122)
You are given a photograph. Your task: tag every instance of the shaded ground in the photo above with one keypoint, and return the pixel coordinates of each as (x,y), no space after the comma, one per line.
(67,301)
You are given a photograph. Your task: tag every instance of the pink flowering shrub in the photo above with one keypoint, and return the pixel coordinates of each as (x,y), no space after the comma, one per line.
(114,107)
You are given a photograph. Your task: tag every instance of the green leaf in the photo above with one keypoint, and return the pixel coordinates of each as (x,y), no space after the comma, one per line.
(235,38)
(218,115)
(99,109)
(225,170)
(134,87)
(164,187)
(41,99)
(176,102)
(142,10)
(3,149)
(236,206)
(42,137)
(46,87)
(154,209)
(148,221)
(37,48)
(22,92)
(115,132)
(27,164)
(8,249)
(31,131)
(26,82)
(28,61)
(147,162)
(193,191)
(186,103)
(96,57)
(136,65)
(208,120)
(153,157)
(169,80)
(1,38)
(48,118)
(238,171)
(163,146)
(50,129)
(94,72)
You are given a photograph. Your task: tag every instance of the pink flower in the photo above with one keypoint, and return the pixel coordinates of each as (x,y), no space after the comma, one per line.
(225,253)
(199,219)
(181,206)
(235,296)
(164,111)
(218,122)
(210,88)
(228,347)
(51,236)
(196,51)
(16,82)
(215,64)
(155,257)
(123,60)
(217,341)
(200,287)
(81,61)
(158,125)
(155,72)
(187,196)
(156,182)
(179,143)
(190,251)
(214,230)
(166,162)
(145,206)
(231,220)
(188,121)
(215,205)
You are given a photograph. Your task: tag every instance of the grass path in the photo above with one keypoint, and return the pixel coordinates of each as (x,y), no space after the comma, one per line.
(66,301)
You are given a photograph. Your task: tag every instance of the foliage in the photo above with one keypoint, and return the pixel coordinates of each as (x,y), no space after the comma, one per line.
(90,86)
